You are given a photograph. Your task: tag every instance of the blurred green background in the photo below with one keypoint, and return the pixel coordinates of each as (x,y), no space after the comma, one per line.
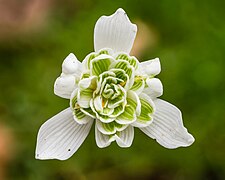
(189,38)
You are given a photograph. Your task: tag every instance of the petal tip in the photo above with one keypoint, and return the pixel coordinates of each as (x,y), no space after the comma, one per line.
(120,10)
(71,64)
(156,59)
(71,55)
(190,140)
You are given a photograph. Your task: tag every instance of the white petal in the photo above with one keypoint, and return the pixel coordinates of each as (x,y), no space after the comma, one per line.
(60,136)
(115,32)
(71,65)
(125,137)
(83,100)
(167,126)
(150,67)
(64,86)
(98,103)
(88,83)
(155,87)
(102,140)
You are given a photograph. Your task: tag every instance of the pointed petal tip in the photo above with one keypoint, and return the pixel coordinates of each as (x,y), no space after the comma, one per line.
(190,140)
(120,10)
(187,142)
(71,65)
(71,55)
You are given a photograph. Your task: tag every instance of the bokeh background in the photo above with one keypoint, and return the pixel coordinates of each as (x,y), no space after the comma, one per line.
(189,38)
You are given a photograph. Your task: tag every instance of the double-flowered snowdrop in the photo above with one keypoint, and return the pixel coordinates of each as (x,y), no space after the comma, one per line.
(114,92)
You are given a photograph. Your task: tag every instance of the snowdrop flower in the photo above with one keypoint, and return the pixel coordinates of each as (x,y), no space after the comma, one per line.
(113,91)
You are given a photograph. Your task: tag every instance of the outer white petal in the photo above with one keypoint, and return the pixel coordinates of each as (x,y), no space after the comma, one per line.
(60,136)
(154,89)
(150,67)
(167,126)
(71,65)
(125,137)
(115,32)
(64,86)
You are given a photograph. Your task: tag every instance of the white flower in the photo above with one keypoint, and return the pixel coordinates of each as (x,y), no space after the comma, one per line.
(113,90)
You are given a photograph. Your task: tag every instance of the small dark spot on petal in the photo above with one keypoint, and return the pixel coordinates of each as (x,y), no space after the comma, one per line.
(68,149)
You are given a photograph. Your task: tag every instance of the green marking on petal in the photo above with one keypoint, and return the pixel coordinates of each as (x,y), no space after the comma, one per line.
(84,97)
(110,128)
(88,111)
(139,84)
(120,74)
(128,116)
(74,101)
(108,80)
(99,66)
(146,111)
(90,58)
(123,57)
(115,102)
(107,111)
(117,111)
(106,128)
(85,75)
(120,127)
(87,92)
(133,62)
(105,118)
(131,59)
(117,92)
(134,101)
(108,91)
(101,78)
(106,74)
(103,51)
(86,88)
(124,65)
(79,114)
(131,103)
